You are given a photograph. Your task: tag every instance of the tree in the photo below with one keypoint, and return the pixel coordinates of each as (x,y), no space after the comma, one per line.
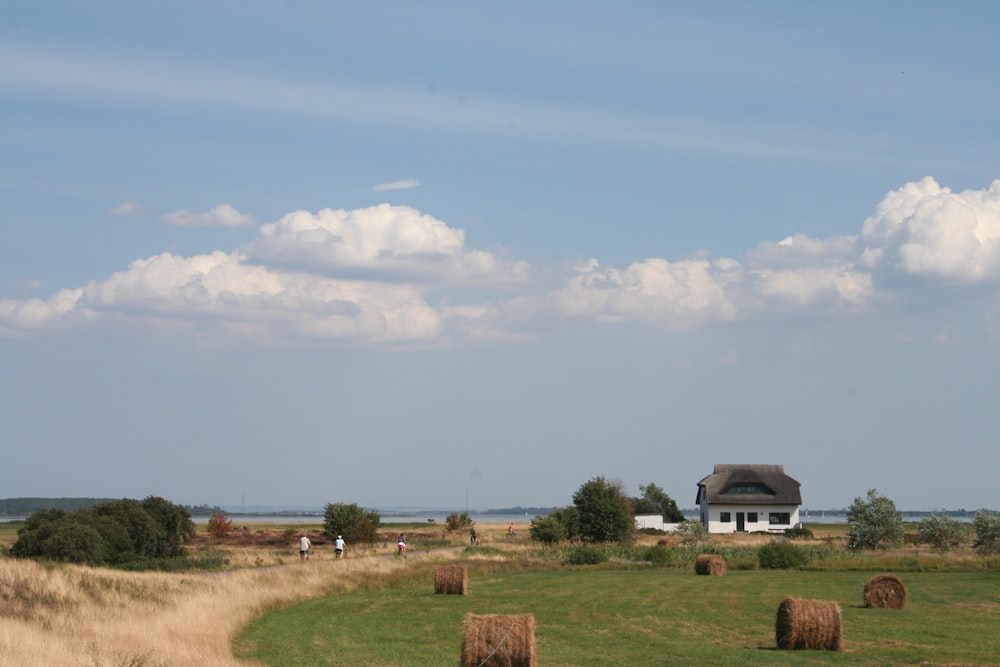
(547,529)
(175,522)
(874,523)
(987,527)
(456,521)
(942,532)
(115,532)
(351,521)
(219,525)
(655,500)
(569,518)
(691,533)
(605,511)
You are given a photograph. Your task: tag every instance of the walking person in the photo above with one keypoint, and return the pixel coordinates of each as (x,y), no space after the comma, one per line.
(472,535)
(338,546)
(304,545)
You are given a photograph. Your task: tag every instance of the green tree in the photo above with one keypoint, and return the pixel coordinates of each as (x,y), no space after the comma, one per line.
(175,523)
(942,532)
(986,524)
(569,518)
(605,511)
(144,533)
(547,529)
(352,521)
(874,523)
(655,500)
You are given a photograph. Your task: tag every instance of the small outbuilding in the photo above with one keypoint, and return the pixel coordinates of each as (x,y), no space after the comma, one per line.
(739,498)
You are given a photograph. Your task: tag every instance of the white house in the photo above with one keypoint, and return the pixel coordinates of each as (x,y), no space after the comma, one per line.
(748,498)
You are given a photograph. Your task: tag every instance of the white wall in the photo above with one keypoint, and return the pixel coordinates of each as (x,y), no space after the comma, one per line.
(653,521)
(711,517)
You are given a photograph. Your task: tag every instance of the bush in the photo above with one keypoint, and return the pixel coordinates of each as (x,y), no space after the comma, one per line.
(942,533)
(875,523)
(691,533)
(586,554)
(987,527)
(547,529)
(116,533)
(798,532)
(658,555)
(219,525)
(569,519)
(455,521)
(781,555)
(351,521)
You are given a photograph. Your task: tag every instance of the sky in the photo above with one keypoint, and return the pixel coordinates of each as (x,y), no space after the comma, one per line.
(449,254)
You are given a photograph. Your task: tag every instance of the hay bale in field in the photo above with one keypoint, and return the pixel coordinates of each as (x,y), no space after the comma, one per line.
(809,624)
(498,640)
(451,580)
(710,564)
(885,591)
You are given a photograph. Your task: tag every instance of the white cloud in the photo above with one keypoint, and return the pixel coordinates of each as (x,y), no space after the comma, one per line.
(370,274)
(385,242)
(223,215)
(405,184)
(222,291)
(130,208)
(924,229)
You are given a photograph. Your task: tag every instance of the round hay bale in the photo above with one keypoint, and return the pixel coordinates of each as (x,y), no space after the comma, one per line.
(498,640)
(451,580)
(885,591)
(808,624)
(710,564)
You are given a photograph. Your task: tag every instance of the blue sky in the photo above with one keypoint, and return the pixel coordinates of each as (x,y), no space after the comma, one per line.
(407,254)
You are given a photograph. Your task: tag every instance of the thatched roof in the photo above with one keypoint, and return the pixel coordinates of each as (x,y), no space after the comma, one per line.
(750,484)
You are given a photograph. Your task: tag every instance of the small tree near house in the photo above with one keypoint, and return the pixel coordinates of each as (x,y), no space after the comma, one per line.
(874,522)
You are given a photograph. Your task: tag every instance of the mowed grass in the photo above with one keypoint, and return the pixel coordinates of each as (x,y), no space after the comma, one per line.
(640,616)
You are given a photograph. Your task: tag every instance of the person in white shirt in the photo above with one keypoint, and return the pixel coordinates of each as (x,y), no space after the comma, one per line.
(338,546)
(304,545)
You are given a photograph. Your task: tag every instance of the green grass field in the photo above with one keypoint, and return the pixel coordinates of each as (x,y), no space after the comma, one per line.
(638,616)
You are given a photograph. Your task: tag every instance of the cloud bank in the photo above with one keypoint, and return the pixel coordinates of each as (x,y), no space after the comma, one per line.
(390,274)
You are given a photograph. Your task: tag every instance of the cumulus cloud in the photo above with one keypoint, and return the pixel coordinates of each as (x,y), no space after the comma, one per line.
(393,274)
(130,208)
(222,215)
(219,289)
(382,242)
(924,229)
(405,184)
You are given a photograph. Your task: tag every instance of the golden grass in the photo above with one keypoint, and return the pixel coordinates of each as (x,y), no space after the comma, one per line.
(73,615)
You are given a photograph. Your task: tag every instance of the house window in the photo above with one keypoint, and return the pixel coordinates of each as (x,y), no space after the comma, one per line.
(779,518)
(751,517)
(725,517)
(748,489)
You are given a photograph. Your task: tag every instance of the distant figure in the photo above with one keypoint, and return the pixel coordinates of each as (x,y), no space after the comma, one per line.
(472,535)
(304,545)
(510,530)
(401,545)
(338,546)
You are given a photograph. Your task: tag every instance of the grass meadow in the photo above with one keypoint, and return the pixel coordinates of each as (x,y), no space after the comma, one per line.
(616,614)
(269,608)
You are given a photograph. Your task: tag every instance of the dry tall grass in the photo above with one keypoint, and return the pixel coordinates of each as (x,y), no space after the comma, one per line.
(99,617)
